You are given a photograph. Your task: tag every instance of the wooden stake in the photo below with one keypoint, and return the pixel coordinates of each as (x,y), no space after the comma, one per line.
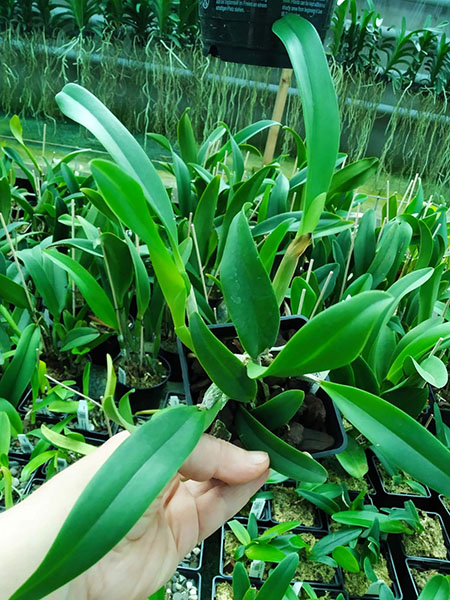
(277,115)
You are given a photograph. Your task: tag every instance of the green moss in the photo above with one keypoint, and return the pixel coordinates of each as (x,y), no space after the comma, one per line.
(429,543)
(224,591)
(357,584)
(336,474)
(287,505)
(396,487)
(309,570)
(446,502)
(422,577)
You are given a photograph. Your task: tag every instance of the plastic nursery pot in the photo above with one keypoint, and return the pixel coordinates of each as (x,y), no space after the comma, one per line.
(194,558)
(419,499)
(109,346)
(43,414)
(396,588)
(143,398)
(445,502)
(290,506)
(188,584)
(419,572)
(221,581)
(173,358)
(433,541)
(241,30)
(226,332)
(226,569)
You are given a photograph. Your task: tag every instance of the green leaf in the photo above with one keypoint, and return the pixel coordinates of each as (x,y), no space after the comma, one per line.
(392,244)
(65,442)
(353,175)
(346,559)
(186,139)
(12,292)
(319,102)
(320,500)
(365,242)
(283,458)
(13,416)
(327,544)
(84,108)
(278,581)
(36,462)
(91,291)
(366,519)
(5,433)
(241,581)
(437,588)
(141,279)
(264,552)
(240,532)
(5,198)
(353,459)
(428,294)
(120,266)
(400,437)
(270,246)
(342,329)
(130,480)
(222,366)
(280,409)
(118,188)
(248,291)
(432,370)
(79,337)
(204,216)
(362,284)
(17,375)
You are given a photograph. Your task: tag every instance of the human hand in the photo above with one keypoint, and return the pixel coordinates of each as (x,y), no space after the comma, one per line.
(213,484)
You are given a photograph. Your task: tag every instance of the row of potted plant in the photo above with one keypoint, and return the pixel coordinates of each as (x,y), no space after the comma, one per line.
(116,257)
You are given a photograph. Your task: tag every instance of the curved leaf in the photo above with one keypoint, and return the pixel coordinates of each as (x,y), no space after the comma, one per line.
(66,443)
(12,292)
(13,416)
(400,437)
(278,411)
(277,582)
(283,458)
(248,291)
(91,291)
(437,588)
(130,480)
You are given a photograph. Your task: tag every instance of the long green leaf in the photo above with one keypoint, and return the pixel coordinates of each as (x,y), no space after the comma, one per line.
(17,375)
(353,175)
(400,437)
(365,243)
(342,329)
(66,443)
(141,279)
(280,578)
(12,292)
(13,416)
(91,291)
(248,291)
(129,481)
(222,366)
(283,458)
(5,433)
(204,215)
(241,581)
(319,102)
(83,107)
(437,588)
(278,411)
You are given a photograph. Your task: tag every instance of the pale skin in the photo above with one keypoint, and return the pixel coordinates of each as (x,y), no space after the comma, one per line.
(214,483)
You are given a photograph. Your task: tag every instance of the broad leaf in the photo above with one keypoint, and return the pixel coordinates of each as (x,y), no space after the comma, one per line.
(278,581)
(278,411)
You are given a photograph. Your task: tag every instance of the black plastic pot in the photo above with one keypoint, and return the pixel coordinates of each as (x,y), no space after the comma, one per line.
(145,398)
(241,30)
(44,415)
(445,512)
(173,358)
(333,424)
(395,588)
(423,565)
(422,501)
(218,579)
(109,346)
(19,460)
(185,565)
(336,582)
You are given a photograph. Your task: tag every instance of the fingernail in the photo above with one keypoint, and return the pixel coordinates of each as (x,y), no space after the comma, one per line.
(257,458)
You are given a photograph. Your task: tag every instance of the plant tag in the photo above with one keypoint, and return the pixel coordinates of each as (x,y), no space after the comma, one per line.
(257,569)
(61,463)
(315,379)
(83,416)
(25,443)
(257,508)
(173,400)
(297,586)
(122,376)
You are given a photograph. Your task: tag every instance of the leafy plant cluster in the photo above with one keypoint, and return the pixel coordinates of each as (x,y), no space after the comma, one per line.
(420,57)
(170,20)
(114,255)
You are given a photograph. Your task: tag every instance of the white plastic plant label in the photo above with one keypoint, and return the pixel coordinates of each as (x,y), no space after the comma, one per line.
(25,443)
(297,586)
(257,569)
(315,379)
(83,416)
(173,400)
(257,508)
(122,376)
